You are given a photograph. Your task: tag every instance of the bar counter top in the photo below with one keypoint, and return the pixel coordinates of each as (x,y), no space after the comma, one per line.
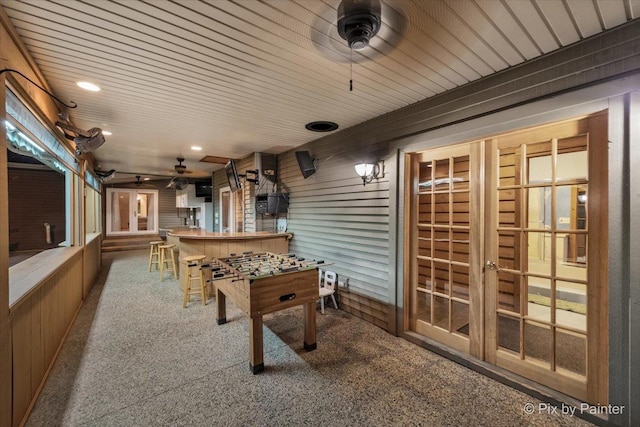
(197,233)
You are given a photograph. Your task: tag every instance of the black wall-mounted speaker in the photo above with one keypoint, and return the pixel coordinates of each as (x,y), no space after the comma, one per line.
(305,161)
(268,165)
(277,203)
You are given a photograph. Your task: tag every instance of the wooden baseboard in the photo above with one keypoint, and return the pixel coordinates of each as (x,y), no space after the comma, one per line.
(364,307)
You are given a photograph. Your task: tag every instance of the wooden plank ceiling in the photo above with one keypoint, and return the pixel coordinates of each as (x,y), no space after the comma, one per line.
(240,76)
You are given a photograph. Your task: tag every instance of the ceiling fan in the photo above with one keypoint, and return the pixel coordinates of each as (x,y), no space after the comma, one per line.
(139,183)
(358,30)
(180,168)
(178,183)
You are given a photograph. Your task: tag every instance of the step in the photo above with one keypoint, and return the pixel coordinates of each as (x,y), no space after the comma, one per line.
(126,243)
(125,248)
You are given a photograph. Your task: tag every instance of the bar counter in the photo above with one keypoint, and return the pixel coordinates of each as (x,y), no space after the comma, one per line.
(196,241)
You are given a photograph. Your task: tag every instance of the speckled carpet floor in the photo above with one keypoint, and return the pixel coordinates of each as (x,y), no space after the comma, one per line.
(135,357)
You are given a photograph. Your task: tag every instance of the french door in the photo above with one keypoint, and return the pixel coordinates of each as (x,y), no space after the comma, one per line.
(508,252)
(132,211)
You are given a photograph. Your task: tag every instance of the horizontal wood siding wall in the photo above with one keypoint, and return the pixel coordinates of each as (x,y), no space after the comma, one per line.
(335,218)
(248,193)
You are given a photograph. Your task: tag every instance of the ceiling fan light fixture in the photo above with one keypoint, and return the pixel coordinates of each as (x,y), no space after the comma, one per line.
(358,22)
(180,168)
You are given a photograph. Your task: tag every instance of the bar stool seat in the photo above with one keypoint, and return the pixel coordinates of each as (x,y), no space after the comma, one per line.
(167,260)
(194,274)
(154,253)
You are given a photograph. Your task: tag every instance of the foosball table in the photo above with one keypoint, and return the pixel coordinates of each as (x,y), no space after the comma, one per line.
(264,283)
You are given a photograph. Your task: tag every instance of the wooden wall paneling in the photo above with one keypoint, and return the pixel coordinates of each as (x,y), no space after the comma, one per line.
(92,256)
(411,269)
(597,301)
(364,307)
(38,362)
(491,242)
(21,348)
(5,325)
(40,323)
(49,320)
(248,193)
(476,250)
(223,250)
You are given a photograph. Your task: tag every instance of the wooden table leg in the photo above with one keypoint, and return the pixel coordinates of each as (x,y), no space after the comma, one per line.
(309,311)
(256,362)
(221,307)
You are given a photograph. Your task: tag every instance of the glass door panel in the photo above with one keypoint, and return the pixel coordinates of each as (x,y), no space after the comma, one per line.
(538,269)
(443,243)
(132,211)
(520,280)
(120,212)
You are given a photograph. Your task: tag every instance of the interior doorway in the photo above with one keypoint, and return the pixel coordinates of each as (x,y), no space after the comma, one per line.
(507,248)
(231,211)
(131,211)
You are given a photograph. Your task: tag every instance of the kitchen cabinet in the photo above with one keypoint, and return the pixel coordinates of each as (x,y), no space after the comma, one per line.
(187,198)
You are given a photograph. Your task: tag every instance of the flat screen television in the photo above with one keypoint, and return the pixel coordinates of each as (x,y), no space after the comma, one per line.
(232,176)
(203,188)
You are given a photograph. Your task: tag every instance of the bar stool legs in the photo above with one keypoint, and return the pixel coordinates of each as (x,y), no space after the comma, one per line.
(194,274)
(154,254)
(167,260)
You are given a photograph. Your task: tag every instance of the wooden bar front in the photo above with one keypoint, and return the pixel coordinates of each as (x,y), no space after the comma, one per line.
(219,245)
(261,296)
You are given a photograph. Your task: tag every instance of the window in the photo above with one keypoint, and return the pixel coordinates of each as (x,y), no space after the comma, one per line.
(41,180)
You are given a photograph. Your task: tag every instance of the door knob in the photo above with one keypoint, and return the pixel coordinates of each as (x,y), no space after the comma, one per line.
(491,265)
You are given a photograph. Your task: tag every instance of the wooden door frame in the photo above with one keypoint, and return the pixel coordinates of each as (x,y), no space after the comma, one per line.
(474,344)
(593,388)
(597,326)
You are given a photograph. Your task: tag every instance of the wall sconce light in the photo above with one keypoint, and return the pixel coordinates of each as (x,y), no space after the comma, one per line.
(370,171)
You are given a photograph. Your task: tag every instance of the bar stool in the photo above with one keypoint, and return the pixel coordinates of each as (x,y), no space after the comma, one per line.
(154,253)
(194,274)
(167,260)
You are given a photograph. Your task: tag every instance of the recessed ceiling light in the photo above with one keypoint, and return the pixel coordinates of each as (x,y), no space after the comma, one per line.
(106,133)
(321,126)
(88,86)
(196,148)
